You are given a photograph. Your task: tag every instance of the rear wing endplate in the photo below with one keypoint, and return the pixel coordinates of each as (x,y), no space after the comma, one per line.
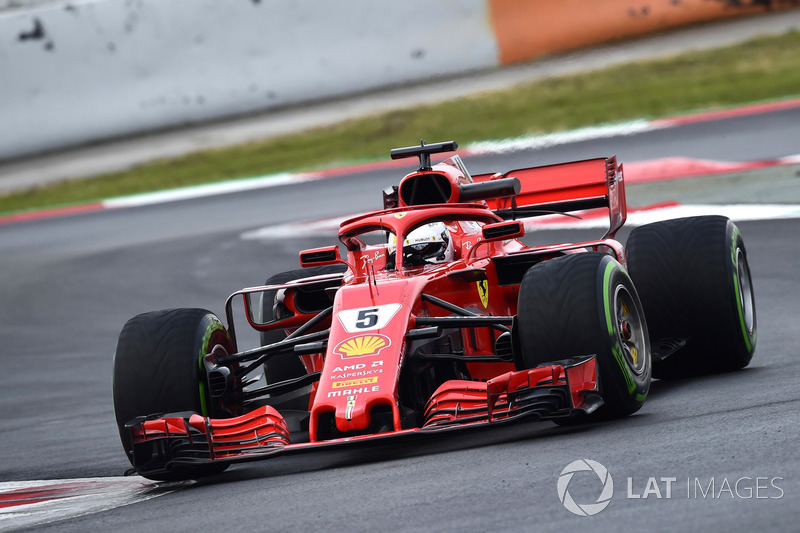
(565,187)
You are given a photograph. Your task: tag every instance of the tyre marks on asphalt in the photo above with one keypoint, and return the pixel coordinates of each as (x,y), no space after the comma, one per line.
(26,504)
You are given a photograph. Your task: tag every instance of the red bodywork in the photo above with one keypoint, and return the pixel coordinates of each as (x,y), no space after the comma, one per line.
(374,353)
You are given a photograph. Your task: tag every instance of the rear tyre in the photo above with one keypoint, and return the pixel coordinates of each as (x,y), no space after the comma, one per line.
(157,368)
(694,281)
(583,304)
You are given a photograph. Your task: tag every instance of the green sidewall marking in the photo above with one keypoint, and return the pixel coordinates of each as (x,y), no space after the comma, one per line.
(615,350)
(203,403)
(210,329)
(745,333)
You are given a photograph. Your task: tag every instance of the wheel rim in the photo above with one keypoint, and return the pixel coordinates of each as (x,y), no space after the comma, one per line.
(745,291)
(630,330)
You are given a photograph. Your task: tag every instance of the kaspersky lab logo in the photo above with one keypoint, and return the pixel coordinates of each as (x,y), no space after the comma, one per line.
(605,488)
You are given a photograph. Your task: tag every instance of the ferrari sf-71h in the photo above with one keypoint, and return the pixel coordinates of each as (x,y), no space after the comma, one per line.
(431,315)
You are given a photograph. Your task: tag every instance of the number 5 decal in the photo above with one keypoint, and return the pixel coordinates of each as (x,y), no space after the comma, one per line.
(367,318)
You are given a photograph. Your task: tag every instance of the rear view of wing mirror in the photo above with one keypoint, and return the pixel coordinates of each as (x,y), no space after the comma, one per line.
(502,231)
(329,255)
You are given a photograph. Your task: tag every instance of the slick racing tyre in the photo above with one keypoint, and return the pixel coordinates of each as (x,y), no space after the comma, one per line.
(281,368)
(694,281)
(584,304)
(157,368)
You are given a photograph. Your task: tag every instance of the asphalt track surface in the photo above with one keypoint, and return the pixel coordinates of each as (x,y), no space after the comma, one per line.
(70,283)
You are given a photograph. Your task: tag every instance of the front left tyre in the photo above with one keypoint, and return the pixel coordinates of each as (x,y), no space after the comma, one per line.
(586,304)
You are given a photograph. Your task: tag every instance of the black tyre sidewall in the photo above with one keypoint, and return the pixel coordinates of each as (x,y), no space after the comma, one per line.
(740,341)
(687,276)
(628,389)
(563,312)
(157,364)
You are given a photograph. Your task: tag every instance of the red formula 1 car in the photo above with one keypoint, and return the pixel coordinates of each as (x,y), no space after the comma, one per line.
(439,318)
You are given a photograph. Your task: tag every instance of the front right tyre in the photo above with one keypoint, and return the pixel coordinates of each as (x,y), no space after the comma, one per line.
(158,369)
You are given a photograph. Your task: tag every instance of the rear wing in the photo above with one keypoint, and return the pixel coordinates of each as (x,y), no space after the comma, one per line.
(565,187)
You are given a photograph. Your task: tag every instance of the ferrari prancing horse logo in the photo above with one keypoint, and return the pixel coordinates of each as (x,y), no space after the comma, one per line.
(483,292)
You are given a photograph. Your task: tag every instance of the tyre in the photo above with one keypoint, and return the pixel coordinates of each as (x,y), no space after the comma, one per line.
(157,367)
(694,281)
(583,304)
(281,368)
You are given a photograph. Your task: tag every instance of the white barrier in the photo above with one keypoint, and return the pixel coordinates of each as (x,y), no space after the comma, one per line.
(81,71)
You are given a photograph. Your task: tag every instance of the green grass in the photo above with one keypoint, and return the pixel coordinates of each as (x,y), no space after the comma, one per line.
(761,69)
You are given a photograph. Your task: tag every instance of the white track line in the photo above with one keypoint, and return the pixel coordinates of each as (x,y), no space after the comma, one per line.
(639,217)
(530,142)
(199,191)
(636,217)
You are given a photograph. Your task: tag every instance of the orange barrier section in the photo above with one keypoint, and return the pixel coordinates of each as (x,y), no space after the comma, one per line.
(525,29)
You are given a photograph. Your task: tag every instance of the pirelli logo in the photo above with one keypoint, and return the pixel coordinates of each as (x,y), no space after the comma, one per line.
(354,382)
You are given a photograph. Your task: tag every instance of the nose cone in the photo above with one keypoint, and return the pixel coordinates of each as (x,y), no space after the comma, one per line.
(363,359)
(361,372)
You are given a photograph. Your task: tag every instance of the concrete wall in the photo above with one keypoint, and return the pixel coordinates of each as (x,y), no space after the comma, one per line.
(78,71)
(72,72)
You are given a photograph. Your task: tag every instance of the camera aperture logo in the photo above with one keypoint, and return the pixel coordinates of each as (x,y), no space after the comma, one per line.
(606,492)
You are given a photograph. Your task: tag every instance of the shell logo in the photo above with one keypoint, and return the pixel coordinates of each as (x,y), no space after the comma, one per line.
(362,345)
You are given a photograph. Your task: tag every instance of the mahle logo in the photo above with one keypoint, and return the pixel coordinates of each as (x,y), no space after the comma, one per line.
(606,492)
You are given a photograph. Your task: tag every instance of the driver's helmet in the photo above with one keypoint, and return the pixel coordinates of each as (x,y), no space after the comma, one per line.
(429,243)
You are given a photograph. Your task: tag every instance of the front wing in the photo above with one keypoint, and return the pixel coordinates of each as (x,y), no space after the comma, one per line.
(562,389)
